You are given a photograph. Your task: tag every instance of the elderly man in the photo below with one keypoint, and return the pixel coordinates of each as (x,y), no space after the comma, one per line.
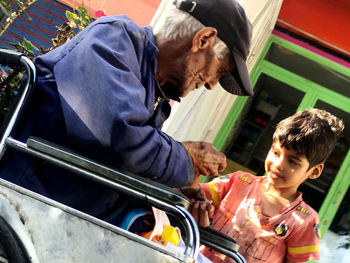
(106,94)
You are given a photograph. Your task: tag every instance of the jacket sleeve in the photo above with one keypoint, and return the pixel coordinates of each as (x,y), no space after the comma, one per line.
(303,244)
(104,104)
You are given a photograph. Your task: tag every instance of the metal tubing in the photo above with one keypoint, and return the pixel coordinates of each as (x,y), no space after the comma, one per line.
(31,75)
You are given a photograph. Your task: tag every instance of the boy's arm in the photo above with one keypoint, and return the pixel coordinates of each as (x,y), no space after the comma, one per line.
(207,196)
(303,244)
(289,261)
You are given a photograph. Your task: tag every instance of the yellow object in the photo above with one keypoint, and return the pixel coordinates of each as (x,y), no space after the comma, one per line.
(214,194)
(169,234)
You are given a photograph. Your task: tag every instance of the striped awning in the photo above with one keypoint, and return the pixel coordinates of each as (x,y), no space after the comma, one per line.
(45,16)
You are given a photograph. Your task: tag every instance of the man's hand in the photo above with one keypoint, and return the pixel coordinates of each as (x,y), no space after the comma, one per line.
(205,158)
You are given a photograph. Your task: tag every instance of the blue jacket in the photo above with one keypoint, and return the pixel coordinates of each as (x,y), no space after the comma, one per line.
(96,95)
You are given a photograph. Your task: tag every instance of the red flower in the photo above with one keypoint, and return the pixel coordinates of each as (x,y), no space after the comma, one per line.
(99,13)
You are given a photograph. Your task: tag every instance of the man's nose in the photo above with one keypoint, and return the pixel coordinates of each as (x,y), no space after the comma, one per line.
(208,86)
(211,84)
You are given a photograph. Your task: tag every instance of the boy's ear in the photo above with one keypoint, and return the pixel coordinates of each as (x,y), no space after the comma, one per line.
(204,38)
(316,171)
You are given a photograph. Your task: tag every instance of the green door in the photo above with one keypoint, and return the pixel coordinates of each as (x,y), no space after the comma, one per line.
(288,78)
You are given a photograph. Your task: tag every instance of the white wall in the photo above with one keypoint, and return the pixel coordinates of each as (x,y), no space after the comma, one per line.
(200,115)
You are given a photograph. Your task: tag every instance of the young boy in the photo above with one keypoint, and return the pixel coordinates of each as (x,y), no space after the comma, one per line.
(267,215)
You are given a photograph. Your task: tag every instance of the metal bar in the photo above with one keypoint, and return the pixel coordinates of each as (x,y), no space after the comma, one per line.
(224,251)
(31,75)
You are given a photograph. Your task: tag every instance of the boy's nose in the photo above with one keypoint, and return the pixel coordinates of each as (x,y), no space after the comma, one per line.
(279,162)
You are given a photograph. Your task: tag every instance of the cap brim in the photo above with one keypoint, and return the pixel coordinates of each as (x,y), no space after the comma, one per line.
(238,82)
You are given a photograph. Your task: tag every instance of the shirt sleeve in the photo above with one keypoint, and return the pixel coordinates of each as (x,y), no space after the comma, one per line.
(217,189)
(303,245)
(103,97)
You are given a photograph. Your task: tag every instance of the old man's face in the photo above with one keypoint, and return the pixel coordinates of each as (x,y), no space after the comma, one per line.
(194,64)
(197,70)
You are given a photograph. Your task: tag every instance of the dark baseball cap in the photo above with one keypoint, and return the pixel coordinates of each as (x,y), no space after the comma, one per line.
(234,29)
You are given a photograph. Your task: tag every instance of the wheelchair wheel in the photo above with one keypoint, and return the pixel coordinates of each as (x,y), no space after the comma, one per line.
(11,248)
(3,255)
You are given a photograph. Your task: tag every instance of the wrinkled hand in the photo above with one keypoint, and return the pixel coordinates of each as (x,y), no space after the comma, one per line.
(201,212)
(205,158)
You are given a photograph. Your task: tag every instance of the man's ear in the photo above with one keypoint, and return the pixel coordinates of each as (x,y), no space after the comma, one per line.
(316,171)
(204,38)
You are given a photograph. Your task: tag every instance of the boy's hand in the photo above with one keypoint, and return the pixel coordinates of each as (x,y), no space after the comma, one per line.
(195,193)
(205,158)
(200,208)
(201,212)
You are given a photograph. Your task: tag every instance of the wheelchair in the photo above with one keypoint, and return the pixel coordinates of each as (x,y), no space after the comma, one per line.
(34,228)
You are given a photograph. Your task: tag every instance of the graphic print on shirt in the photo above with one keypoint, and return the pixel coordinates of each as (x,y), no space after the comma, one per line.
(317,230)
(303,210)
(245,178)
(281,230)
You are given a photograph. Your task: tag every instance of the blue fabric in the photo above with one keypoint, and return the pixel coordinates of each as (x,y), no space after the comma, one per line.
(96,95)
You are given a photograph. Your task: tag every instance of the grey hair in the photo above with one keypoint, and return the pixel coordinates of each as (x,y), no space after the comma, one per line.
(179,24)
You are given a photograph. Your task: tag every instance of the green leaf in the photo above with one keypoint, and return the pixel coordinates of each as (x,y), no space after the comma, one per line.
(84,15)
(29,18)
(82,11)
(6,9)
(20,3)
(29,44)
(73,18)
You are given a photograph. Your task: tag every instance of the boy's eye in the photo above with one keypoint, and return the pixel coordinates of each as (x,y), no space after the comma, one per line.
(293,162)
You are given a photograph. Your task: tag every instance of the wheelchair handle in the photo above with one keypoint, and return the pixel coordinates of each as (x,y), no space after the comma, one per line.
(13,58)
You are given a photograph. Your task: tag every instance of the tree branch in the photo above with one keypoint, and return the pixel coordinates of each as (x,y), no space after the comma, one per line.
(15,14)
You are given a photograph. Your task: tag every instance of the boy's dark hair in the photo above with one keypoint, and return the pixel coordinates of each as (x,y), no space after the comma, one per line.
(312,133)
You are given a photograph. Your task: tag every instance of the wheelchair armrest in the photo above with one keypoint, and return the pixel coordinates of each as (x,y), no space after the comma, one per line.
(140,184)
(10,57)
(217,240)
(137,187)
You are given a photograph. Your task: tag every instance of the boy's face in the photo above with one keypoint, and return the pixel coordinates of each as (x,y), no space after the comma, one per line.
(286,169)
